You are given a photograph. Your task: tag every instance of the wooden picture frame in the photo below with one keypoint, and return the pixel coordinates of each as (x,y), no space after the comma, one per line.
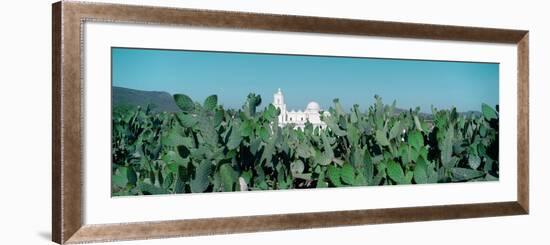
(67,22)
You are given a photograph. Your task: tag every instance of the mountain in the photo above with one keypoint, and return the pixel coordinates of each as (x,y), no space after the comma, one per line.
(160,101)
(163,101)
(429,116)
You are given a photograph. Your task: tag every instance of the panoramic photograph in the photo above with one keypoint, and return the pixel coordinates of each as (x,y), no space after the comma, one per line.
(185,121)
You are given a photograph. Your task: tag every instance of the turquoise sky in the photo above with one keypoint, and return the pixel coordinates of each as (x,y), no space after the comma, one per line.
(302,78)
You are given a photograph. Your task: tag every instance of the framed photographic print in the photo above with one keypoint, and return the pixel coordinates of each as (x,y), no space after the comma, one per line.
(178,122)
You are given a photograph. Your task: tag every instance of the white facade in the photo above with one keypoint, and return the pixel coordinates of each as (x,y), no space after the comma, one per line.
(298,118)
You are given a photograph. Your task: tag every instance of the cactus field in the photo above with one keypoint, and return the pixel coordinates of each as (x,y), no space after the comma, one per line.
(206,148)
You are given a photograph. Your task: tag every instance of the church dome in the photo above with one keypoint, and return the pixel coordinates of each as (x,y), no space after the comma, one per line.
(313,106)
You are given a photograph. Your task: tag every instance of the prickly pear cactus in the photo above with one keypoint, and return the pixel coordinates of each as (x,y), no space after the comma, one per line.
(206,148)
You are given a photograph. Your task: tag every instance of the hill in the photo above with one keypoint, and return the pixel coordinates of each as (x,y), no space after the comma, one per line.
(163,101)
(160,101)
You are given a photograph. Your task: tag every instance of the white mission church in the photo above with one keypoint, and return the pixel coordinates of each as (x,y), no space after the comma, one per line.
(299,118)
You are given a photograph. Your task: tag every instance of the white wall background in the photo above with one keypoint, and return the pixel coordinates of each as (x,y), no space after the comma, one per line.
(25,121)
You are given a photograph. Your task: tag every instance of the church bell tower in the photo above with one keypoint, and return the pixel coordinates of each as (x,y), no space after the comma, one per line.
(279,102)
